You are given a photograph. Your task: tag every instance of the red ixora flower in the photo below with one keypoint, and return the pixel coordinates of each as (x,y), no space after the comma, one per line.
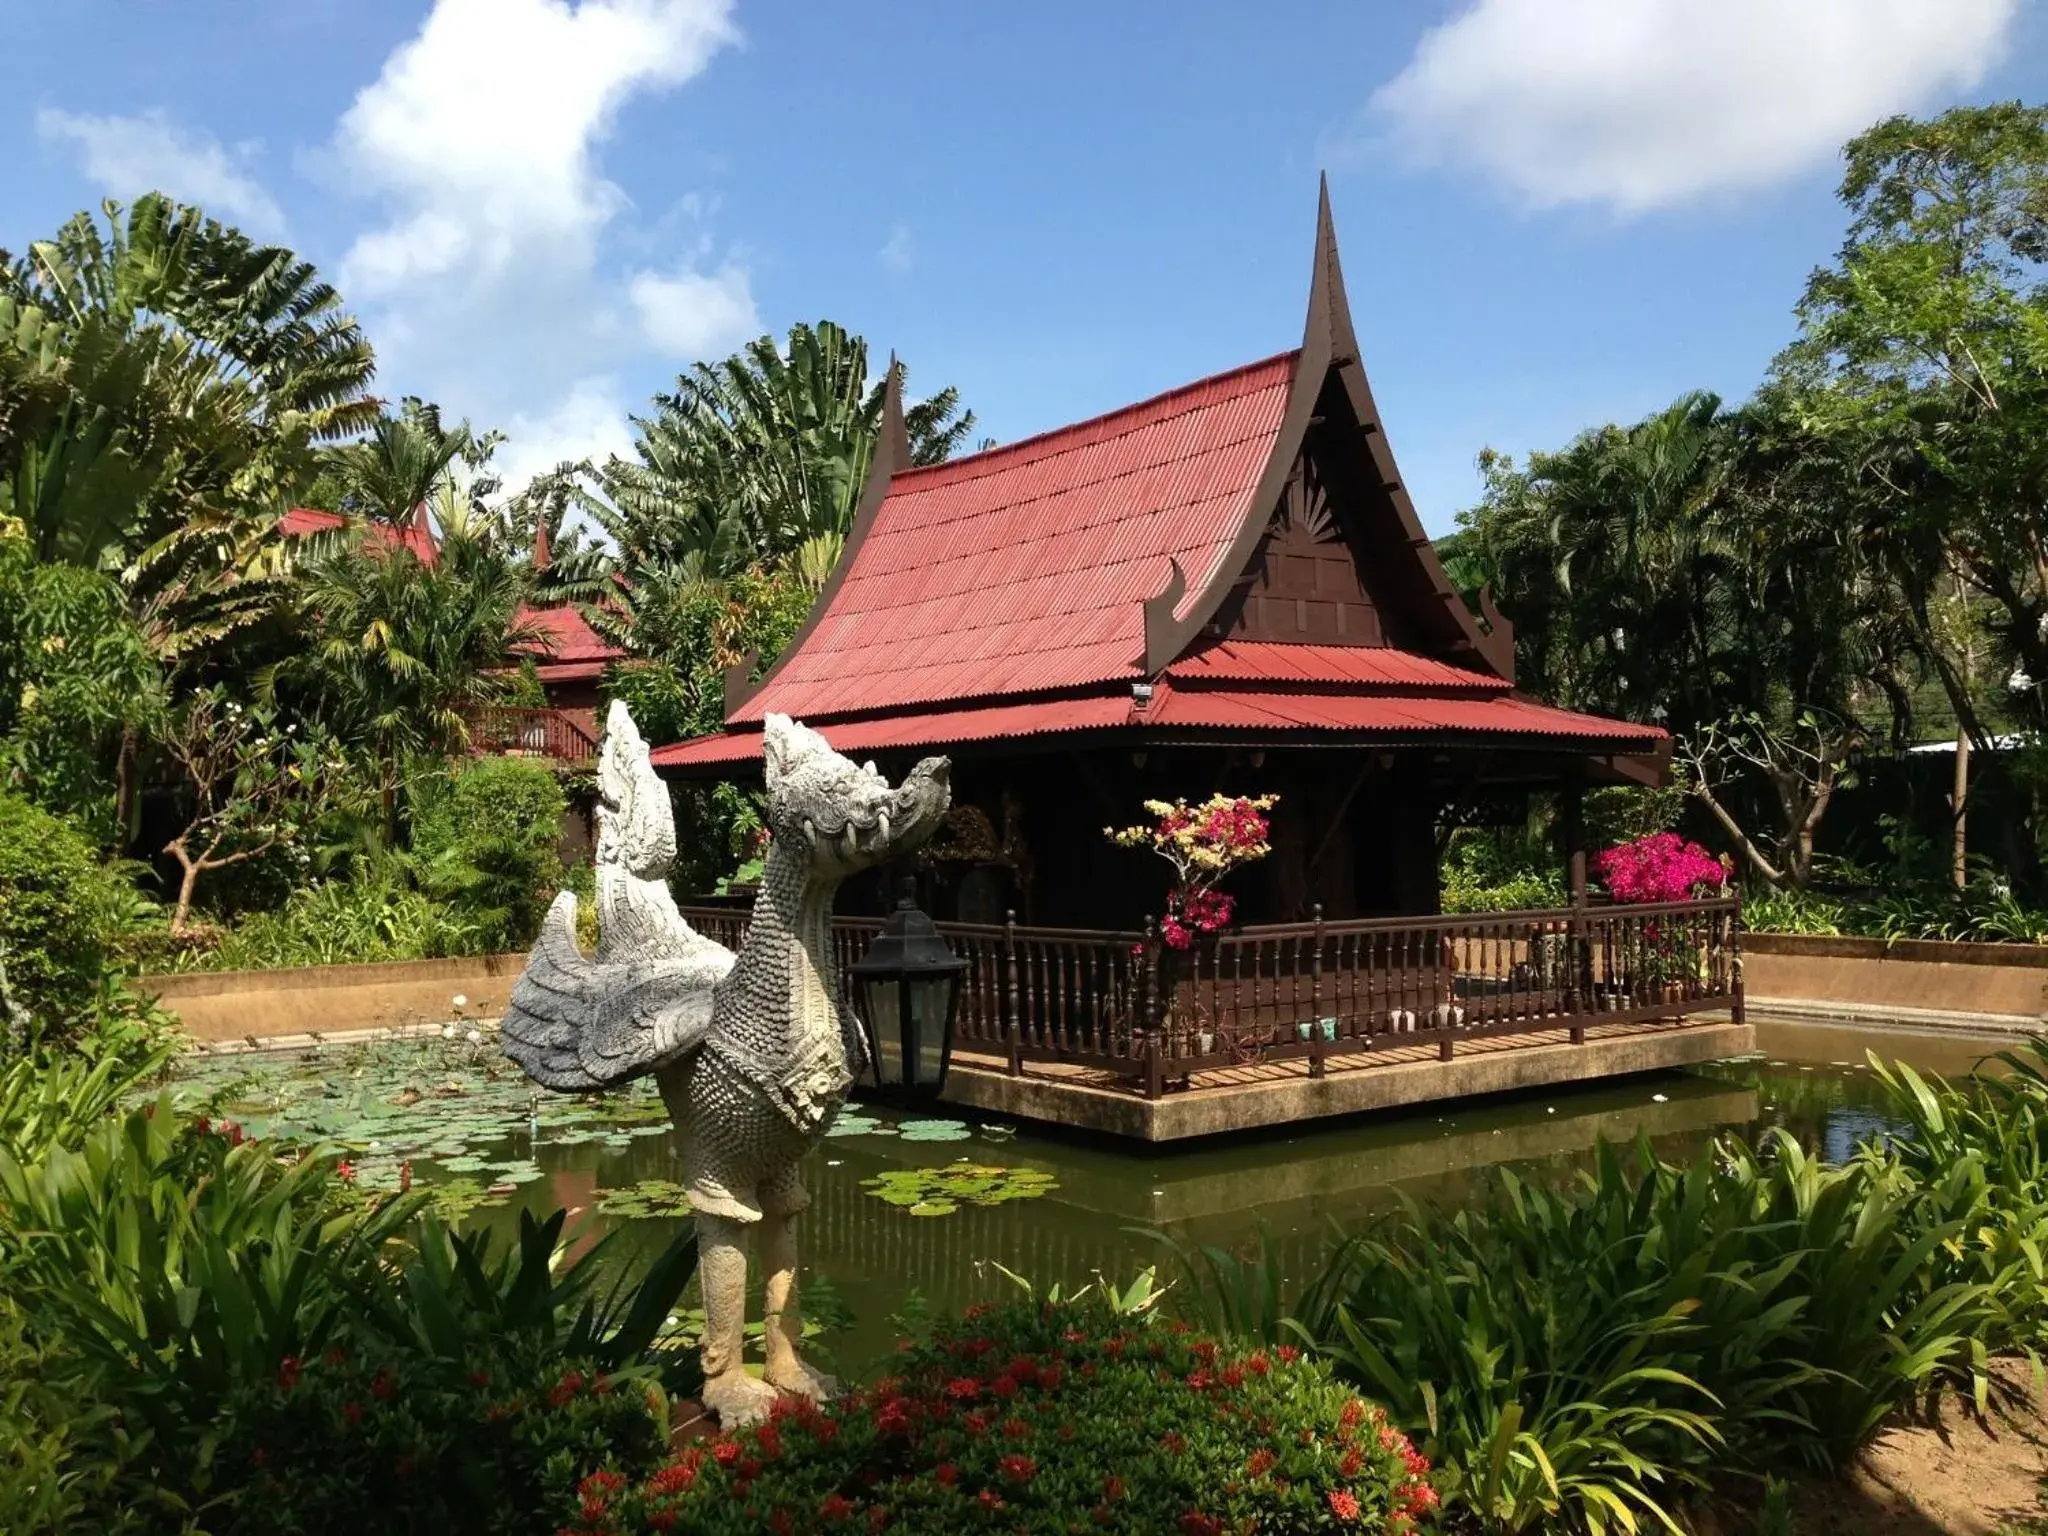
(963,1388)
(672,1479)
(1343,1504)
(345,1171)
(288,1372)
(835,1508)
(1195,1523)
(945,1474)
(1262,1461)
(1018,1469)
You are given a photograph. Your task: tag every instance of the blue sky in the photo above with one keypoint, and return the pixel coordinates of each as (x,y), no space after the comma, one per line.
(1553,213)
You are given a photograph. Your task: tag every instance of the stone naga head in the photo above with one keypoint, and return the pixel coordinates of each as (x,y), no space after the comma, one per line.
(843,817)
(637,826)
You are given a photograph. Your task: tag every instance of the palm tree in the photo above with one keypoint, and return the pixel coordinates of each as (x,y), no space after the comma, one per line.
(401,650)
(164,382)
(750,458)
(406,462)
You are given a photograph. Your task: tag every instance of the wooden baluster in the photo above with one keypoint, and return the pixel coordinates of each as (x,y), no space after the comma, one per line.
(1315,992)
(1013,1040)
(1237,1029)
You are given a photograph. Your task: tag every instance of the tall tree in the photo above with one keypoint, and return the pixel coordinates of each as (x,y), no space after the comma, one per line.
(1922,370)
(750,459)
(1922,366)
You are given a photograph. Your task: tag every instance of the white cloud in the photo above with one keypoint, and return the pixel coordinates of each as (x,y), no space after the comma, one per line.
(1639,104)
(128,156)
(587,423)
(480,130)
(692,315)
(898,252)
(493,266)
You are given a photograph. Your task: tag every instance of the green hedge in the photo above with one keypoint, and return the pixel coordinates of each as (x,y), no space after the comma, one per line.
(59,911)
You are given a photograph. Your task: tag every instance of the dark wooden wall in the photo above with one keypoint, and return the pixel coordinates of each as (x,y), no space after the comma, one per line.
(1353,830)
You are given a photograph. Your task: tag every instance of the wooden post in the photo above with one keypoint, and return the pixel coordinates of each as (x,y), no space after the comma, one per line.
(1144,1023)
(1737,1010)
(1579,990)
(1012,1026)
(1316,1045)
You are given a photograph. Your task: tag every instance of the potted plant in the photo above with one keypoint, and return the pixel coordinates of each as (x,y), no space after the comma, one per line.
(1203,843)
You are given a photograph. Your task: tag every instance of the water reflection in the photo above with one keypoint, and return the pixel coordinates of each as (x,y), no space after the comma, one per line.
(1810,1081)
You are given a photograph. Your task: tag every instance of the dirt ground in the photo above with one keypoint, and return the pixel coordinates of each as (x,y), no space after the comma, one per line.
(1955,1478)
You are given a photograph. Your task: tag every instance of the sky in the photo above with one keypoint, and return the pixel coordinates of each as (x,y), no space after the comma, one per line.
(1552,213)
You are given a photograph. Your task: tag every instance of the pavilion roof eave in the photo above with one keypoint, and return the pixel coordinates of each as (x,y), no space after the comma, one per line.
(1205,717)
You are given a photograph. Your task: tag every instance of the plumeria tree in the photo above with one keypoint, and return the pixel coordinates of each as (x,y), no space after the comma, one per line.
(1203,843)
(255,787)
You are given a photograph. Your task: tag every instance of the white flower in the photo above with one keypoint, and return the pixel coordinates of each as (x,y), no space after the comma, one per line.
(2019,682)
(447,1031)
(1660,1098)
(460,1000)
(476,1037)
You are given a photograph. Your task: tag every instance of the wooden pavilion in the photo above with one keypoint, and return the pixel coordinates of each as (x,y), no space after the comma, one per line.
(1225,587)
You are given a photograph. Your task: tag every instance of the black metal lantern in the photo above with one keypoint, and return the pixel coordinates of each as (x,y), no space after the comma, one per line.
(908,987)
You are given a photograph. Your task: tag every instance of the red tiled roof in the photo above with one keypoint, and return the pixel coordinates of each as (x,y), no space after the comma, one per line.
(1360,717)
(1377,667)
(566,639)
(1024,569)
(414,536)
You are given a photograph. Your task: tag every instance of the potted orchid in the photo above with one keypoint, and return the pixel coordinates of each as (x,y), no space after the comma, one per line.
(1203,843)
(1660,868)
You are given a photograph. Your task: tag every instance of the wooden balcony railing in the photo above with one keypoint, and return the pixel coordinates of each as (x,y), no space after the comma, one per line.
(503,730)
(1317,990)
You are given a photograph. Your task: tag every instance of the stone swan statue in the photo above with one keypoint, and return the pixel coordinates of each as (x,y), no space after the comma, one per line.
(753,1051)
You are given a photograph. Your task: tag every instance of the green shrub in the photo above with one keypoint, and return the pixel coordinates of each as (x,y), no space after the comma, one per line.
(1483,872)
(338,922)
(485,845)
(60,911)
(170,1280)
(1049,1417)
(499,1442)
(1569,1354)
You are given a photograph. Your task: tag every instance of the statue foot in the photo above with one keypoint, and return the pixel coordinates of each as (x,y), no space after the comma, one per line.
(796,1377)
(739,1399)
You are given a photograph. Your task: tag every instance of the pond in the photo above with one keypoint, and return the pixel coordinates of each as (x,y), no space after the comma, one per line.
(902,1205)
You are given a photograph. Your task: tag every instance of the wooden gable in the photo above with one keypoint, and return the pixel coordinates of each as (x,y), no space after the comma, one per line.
(1330,550)
(1304,581)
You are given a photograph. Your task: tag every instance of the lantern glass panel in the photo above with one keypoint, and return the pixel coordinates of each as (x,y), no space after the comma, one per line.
(884,1009)
(931,999)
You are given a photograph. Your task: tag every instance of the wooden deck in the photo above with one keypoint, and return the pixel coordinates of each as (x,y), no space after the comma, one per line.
(1265,1094)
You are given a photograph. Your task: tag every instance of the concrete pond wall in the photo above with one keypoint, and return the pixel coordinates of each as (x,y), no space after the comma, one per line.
(2001,987)
(336,999)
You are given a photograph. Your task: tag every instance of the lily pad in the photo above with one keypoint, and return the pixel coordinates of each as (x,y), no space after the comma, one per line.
(850,1124)
(942,1191)
(649,1197)
(934,1130)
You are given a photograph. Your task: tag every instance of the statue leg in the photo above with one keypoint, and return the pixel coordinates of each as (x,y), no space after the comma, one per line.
(781,1202)
(729,1391)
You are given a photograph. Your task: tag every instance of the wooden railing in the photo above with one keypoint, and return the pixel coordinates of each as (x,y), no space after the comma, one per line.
(1317,990)
(502,729)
